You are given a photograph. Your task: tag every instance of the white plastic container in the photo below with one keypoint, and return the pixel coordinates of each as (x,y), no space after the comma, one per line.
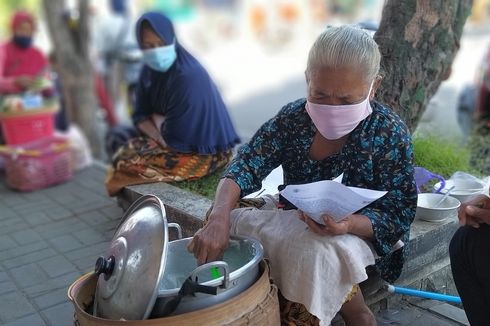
(463,190)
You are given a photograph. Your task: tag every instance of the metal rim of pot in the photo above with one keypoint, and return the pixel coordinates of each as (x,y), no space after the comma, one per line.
(228,276)
(221,288)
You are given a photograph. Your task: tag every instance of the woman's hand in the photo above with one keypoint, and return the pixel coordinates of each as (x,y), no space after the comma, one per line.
(330,228)
(158,121)
(356,224)
(148,128)
(210,242)
(25,81)
(475,211)
(160,141)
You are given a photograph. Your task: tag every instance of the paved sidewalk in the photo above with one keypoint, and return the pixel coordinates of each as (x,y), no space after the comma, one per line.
(49,238)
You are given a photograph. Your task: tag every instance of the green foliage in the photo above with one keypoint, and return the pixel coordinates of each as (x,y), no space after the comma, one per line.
(205,186)
(441,156)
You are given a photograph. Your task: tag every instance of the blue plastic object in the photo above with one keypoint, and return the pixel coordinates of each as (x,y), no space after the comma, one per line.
(422,176)
(424,294)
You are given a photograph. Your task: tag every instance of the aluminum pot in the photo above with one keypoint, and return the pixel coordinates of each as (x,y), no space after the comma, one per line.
(237,271)
(144,275)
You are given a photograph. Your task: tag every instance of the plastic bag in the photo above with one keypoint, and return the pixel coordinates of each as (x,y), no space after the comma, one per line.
(459,175)
(423,176)
(79,147)
(469,182)
(465,186)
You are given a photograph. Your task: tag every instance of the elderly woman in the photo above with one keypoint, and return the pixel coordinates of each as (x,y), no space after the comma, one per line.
(338,128)
(179,110)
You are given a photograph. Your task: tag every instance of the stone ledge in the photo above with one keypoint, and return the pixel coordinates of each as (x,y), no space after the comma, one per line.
(183,207)
(426,268)
(428,248)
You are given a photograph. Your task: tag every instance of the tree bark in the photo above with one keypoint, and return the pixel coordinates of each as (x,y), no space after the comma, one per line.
(418,40)
(75,69)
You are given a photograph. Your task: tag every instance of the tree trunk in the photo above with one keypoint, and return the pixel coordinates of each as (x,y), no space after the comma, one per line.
(71,49)
(418,40)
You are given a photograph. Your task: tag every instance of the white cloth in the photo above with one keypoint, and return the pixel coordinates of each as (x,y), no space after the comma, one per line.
(316,271)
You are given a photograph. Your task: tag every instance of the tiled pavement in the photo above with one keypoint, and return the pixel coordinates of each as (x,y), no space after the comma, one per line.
(49,238)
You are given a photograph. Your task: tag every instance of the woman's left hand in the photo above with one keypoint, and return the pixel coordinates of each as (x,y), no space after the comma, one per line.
(160,141)
(330,228)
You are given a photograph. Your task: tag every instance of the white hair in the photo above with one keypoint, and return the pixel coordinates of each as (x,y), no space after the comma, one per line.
(345,46)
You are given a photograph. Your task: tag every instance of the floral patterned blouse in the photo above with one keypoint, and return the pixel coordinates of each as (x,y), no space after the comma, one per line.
(377,155)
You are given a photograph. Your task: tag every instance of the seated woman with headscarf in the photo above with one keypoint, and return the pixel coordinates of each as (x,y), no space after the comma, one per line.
(337,129)
(187,130)
(21,64)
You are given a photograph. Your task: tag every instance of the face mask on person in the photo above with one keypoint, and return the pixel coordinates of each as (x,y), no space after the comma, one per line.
(23,41)
(336,121)
(161,58)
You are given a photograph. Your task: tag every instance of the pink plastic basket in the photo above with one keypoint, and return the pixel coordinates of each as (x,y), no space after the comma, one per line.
(38,164)
(23,127)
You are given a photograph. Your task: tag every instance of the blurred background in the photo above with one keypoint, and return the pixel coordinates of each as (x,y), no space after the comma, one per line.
(255,50)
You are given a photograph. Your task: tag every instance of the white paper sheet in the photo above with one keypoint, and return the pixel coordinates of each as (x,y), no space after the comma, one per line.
(273,181)
(329,197)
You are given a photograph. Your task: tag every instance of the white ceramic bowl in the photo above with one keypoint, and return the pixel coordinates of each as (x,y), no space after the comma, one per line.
(427,211)
(463,190)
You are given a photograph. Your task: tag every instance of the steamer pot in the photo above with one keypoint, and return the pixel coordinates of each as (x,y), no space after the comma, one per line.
(143,275)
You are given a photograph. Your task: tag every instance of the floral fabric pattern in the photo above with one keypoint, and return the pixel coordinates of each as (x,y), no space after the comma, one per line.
(142,161)
(377,155)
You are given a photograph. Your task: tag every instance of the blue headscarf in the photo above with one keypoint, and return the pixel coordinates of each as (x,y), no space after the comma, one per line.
(161,25)
(196,118)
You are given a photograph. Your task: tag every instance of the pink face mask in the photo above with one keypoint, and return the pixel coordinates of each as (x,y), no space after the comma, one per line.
(335,121)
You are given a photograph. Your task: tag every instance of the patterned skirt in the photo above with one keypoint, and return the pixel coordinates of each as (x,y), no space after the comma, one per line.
(142,160)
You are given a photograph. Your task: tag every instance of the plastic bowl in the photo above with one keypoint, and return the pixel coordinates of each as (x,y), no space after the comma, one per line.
(427,211)
(463,190)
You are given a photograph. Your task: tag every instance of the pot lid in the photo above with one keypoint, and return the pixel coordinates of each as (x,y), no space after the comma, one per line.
(130,271)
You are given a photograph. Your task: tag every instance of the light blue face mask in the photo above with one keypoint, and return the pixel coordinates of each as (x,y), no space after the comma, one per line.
(161,58)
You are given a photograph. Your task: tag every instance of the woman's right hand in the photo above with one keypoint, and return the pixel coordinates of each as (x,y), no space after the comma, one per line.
(25,81)
(475,211)
(210,242)
(148,128)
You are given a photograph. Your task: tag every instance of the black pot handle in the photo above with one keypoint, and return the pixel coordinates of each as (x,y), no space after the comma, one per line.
(189,287)
(105,266)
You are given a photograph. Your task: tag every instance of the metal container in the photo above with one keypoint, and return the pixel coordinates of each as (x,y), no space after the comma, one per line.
(238,270)
(257,305)
(143,274)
